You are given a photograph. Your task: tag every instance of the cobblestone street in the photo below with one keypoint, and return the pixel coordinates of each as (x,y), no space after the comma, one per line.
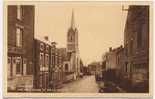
(87,84)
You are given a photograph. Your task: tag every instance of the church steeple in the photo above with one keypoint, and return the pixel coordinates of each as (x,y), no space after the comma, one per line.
(72,20)
(72,36)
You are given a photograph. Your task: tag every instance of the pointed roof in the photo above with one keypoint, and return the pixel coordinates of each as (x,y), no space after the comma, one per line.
(72,20)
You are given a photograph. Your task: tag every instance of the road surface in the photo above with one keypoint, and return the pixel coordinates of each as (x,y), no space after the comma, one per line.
(87,84)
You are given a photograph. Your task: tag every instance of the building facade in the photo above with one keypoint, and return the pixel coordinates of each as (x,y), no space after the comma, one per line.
(136,42)
(113,64)
(42,64)
(93,67)
(120,62)
(20,47)
(48,65)
(111,59)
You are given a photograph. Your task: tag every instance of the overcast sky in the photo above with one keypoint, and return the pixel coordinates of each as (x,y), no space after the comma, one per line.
(99,26)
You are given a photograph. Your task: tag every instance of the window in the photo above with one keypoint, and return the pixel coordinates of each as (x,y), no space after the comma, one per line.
(71,38)
(41,61)
(126,50)
(41,46)
(19,37)
(60,60)
(24,66)
(53,60)
(139,37)
(9,67)
(66,67)
(18,65)
(47,48)
(46,60)
(131,47)
(19,12)
(126,67)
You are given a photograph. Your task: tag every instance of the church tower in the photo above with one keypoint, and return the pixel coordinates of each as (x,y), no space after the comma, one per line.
(72,36)
(72,48)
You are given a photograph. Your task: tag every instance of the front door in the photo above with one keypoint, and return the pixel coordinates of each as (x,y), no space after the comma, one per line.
(24,66)
(43,81)
(14,66)
(9,67)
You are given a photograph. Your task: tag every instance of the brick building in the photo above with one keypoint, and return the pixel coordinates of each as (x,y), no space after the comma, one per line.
(42,64)
(136,42)
(56,67)
(62,54)
(20,47)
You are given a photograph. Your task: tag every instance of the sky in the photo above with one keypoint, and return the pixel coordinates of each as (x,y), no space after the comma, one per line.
(100,26)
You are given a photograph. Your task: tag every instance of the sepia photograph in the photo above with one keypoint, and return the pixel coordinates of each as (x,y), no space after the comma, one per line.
(78,47)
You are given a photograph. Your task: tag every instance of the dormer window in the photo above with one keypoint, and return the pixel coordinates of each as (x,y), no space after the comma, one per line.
(47,48)
(41,46)
(41,61)
(19,38)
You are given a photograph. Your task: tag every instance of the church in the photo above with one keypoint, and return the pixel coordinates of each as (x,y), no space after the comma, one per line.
(72,63)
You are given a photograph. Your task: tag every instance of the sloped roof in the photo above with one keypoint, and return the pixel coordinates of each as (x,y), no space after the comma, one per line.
(42,39)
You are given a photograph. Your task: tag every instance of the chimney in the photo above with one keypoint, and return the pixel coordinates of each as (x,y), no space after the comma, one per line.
(53,43)
(110,49)
(46,38)
(121,46)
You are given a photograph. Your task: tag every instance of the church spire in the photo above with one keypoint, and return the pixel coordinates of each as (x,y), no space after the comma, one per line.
(72,20)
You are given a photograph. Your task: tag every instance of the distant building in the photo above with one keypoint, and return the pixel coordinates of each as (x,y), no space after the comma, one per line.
(120,58)
(20,47)
(112,59)
(113,63)
(93,67)
(136,44)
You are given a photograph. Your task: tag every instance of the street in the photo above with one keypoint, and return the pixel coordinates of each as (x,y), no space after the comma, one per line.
(87,84)
(48,52)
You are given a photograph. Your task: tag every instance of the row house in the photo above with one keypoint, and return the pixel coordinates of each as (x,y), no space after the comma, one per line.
(42,64)
(48,65)
(110,59)
(56,64)
(136,44)
(113,63)
(63,53)
(20,22)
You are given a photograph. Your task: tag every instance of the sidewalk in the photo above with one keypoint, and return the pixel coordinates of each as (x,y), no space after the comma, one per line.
(110,87)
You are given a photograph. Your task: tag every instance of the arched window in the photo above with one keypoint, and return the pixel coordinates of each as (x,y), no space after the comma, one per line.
(66,67)
(71,38)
